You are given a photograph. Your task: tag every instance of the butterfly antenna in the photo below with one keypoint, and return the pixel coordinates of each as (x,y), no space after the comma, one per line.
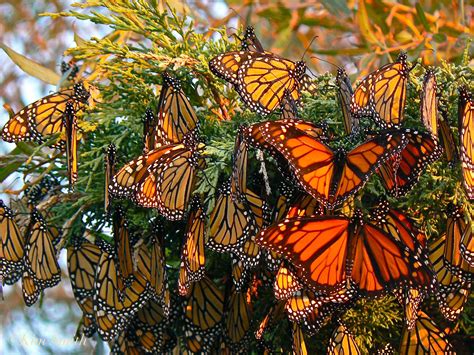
(325,61)
(308,47)
(238,15)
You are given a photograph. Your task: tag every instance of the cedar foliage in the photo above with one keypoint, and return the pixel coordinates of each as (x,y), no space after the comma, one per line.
(125,67)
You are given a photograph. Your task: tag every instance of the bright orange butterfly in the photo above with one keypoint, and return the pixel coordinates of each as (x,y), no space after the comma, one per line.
(330,177)
(331,251)
(402,171)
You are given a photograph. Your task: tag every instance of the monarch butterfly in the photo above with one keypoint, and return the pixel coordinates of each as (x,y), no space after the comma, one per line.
(41,262)
(274,314)
(299,345)
(112,306)
(402,228)
(163,178)
(289,108)
(452,293)
(204,309)
(249,252)
(410,299)
(250,41)
(330,177)
(240,274)
(382,94)
(151,267)
(342,342)
(44,116)
(312,309)
(69,70)
(330,251)
(82,260)
(253,136)
(344,95)
(123,248)
(457,230)
(30,289)
(176,116)
(238,317)
(301,304)
(261,79)
(402,171)
(425,338)
(319,317)
(446,138)
(38,192)
(286,283)
(205,304)
(150,123)
(386,350)
(109,159)
(157,264)
(230,222)
(70,127)
(466,137)
(239,166)
(305,205)
(429,103)
(41,269)
(193,258)
(149,327)
(12,248)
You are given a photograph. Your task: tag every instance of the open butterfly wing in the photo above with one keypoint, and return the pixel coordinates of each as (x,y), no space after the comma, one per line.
(362,161)
(316,245)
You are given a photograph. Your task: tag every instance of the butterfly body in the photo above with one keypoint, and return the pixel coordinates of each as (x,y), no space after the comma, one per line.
(330,177)
(44,117)
(261,79)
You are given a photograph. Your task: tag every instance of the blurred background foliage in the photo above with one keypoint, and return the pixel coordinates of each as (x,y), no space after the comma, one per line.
(123,59)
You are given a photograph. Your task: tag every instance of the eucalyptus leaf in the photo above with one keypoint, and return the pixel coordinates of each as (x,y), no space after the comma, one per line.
(31,67)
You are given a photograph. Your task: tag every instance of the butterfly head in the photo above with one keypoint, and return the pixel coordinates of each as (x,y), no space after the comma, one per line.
(454,211)
(463,94)
(358,217)
(149,117)
(300,69)
(171,81)
(381,210)
(402,57)
(80,92)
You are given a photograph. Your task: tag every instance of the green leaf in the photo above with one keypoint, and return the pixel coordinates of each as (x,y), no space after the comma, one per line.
(336,7)
(9,169)
(79,40)
(31,67)
(421,16)
(24,147)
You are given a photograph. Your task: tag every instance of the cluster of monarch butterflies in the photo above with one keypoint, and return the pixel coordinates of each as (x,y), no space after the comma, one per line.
(318,253)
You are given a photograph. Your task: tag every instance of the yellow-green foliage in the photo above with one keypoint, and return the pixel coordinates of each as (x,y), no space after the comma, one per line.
(125,67)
